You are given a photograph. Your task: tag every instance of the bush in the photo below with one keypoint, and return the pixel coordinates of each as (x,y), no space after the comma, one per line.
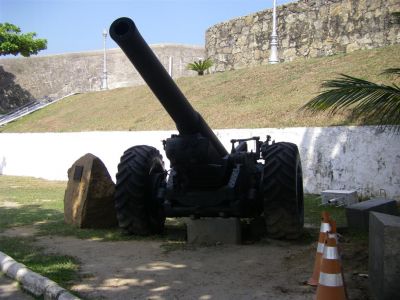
(200,66)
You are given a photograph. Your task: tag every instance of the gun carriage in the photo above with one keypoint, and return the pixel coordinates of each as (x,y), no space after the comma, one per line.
(205,180)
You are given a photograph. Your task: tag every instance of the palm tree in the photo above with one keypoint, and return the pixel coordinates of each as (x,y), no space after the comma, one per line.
(366,100)
(200,66)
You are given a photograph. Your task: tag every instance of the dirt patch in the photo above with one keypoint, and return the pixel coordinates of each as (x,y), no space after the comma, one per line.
(145,270)
(9,204)
(142,270)
(21,231)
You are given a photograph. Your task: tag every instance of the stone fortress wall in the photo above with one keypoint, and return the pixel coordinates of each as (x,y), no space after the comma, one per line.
(306,28)
(54,76)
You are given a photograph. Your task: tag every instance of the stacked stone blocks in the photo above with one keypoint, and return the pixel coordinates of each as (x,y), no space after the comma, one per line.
(307,28)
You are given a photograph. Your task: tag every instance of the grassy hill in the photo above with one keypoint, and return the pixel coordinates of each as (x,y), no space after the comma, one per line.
(264,96)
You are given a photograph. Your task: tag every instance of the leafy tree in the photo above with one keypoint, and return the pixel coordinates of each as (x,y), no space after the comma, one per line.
(200,66)
(366,100)
(12,41)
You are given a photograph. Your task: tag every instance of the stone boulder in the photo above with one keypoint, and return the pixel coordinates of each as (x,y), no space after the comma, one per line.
(89,197)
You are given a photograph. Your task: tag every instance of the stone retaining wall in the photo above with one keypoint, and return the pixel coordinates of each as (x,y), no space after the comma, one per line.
(54,76)
(307,28)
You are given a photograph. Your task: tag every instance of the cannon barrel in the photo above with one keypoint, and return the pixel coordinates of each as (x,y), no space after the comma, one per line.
(188,121)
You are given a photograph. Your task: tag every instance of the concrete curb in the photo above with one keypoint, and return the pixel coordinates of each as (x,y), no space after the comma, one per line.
(34,283)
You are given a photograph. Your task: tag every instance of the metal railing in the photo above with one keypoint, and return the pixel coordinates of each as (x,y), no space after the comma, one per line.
(27,109)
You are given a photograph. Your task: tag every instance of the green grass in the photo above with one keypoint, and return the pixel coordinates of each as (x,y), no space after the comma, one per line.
(312,216)
(59,228)
(313,210)
(33,201)
(264,96)
(59,268)
(27,201)
(40,203)
(30,200)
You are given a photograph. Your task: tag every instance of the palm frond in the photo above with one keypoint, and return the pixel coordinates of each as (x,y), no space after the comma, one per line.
(200,66)
(366,100)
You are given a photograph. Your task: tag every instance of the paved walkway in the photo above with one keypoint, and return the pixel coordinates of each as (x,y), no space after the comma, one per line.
(9,289)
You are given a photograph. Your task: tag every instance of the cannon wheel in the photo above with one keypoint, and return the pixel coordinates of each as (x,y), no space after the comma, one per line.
(283,191)
(140,173)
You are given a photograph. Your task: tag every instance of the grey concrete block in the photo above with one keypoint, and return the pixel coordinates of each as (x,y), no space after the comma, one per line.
(384,256)
(67,296)
(213,230)
(52,290)
(340,197)
(32,282)
(358,214)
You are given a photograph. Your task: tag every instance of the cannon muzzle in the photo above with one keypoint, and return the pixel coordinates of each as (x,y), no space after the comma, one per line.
(188,121)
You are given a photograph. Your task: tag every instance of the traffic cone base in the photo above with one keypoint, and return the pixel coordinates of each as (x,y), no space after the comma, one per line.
(331,293)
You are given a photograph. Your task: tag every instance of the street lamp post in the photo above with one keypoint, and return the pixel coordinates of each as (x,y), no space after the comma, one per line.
(104,84)
(273,58)
(170,65)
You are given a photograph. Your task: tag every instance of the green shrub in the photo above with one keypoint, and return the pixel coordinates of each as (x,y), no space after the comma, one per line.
(200,66)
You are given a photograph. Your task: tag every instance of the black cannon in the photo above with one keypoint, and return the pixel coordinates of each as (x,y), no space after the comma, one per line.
(205,180)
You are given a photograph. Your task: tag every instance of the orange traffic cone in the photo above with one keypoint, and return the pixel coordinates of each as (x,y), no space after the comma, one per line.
(333,233)
(325,227)
(331,284)
(332,222)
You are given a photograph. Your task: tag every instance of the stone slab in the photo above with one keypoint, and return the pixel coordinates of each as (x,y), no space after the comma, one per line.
(213,230)
(340,197)
(89,196)
(358,214)
(384,256)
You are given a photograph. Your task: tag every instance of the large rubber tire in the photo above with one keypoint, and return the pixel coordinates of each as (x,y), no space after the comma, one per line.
(283,191)
(140,173)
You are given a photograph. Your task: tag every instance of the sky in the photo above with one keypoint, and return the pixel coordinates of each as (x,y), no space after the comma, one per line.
(77,25)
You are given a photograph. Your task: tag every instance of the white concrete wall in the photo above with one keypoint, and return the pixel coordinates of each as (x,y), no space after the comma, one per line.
(360,158)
